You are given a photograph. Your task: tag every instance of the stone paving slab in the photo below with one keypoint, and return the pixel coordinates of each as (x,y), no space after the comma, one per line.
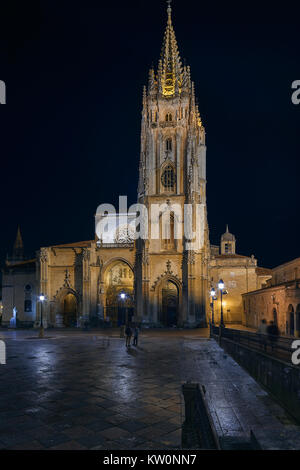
(85,391)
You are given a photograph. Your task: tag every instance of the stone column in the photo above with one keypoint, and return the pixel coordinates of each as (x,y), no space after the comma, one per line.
(85,284)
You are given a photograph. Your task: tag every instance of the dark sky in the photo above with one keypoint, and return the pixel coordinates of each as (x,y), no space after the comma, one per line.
(70,131)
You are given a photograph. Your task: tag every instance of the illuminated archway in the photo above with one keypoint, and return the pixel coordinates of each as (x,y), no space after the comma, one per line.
(119,289)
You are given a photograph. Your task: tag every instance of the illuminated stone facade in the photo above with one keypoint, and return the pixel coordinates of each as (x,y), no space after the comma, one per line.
(278,301)
(166,281)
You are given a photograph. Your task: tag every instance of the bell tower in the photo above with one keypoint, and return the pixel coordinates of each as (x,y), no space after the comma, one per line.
(172,175)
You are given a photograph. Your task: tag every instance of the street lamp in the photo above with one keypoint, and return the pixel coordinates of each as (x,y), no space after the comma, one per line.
(221,288)
(123,298)
(41,333)
(213,298)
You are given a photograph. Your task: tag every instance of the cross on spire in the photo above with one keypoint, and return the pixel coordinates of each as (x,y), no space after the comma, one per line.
(169,9)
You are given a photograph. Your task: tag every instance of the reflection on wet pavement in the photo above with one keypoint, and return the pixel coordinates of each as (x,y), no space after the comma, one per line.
(86,391)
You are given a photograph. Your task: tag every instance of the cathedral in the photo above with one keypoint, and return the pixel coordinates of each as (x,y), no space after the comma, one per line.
(162,281)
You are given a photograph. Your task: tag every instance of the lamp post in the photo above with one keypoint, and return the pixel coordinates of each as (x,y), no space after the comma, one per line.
(221,288)
(41,332)
(213,298)
(123,298)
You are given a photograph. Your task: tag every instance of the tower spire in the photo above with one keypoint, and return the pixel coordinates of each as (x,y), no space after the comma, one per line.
(18,249)
(169,11)
(171,73)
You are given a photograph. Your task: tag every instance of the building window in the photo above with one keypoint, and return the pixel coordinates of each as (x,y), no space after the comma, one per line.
(28,298)
(28,305)
(168,235)
(168,178)
(168,117)
(228,248)
(168,145)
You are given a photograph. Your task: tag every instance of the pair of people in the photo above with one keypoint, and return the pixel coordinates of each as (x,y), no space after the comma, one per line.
(128,333)
(271,331)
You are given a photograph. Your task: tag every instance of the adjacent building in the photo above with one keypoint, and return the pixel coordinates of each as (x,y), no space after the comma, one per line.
(278,301)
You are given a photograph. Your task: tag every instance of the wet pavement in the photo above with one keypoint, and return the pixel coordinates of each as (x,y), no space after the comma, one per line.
(85,390)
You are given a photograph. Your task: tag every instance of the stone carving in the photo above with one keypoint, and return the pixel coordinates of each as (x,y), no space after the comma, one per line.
(43,255)
(166,274)
(67,281)
(168,264)
(86,254)
(125,234)
(191,257)
(145,257)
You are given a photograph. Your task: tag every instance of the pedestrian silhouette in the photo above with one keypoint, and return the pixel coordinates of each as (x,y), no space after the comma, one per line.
(273,333)
(128,333)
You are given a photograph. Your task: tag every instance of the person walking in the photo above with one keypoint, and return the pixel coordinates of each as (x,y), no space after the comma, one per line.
(122,331)
(273,333)
(135,336)
(262,331)
(128,333)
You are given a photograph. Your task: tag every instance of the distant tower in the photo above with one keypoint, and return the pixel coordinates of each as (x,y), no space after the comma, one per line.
(18,249)
(228,243)
(172,172)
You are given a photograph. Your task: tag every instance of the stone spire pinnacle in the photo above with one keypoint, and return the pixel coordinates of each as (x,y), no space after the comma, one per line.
(171,67)
(18,249)
(18,242)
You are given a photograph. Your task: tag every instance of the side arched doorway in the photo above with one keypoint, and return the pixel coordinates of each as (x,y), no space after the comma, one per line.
(169,303)
(297,333)
(69,310)
(291,321)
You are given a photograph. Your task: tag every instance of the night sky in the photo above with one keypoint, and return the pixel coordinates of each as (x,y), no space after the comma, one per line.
(70,131)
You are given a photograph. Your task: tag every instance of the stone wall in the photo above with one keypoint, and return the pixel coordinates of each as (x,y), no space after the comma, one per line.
(278,303)
(281,379)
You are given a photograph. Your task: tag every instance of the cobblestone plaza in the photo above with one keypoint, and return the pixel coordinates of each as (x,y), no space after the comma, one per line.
(85,390)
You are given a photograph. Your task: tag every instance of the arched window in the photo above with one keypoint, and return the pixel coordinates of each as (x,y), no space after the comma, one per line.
(168,117)
(228,248)
(168,232)
(168,178)
(28,298)
(168,145)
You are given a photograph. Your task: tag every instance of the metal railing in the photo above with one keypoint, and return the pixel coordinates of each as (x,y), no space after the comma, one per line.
(275,346)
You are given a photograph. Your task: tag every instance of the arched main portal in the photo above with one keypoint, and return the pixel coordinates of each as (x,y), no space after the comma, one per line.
(119,288)
(169,303)
(69,310)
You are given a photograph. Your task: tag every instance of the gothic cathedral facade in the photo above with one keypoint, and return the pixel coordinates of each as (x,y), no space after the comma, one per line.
(161,280)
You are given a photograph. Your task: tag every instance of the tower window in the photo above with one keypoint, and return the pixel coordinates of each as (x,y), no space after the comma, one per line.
(168,178)
(228,248)
(168,117)
(169,144)
(168,232)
